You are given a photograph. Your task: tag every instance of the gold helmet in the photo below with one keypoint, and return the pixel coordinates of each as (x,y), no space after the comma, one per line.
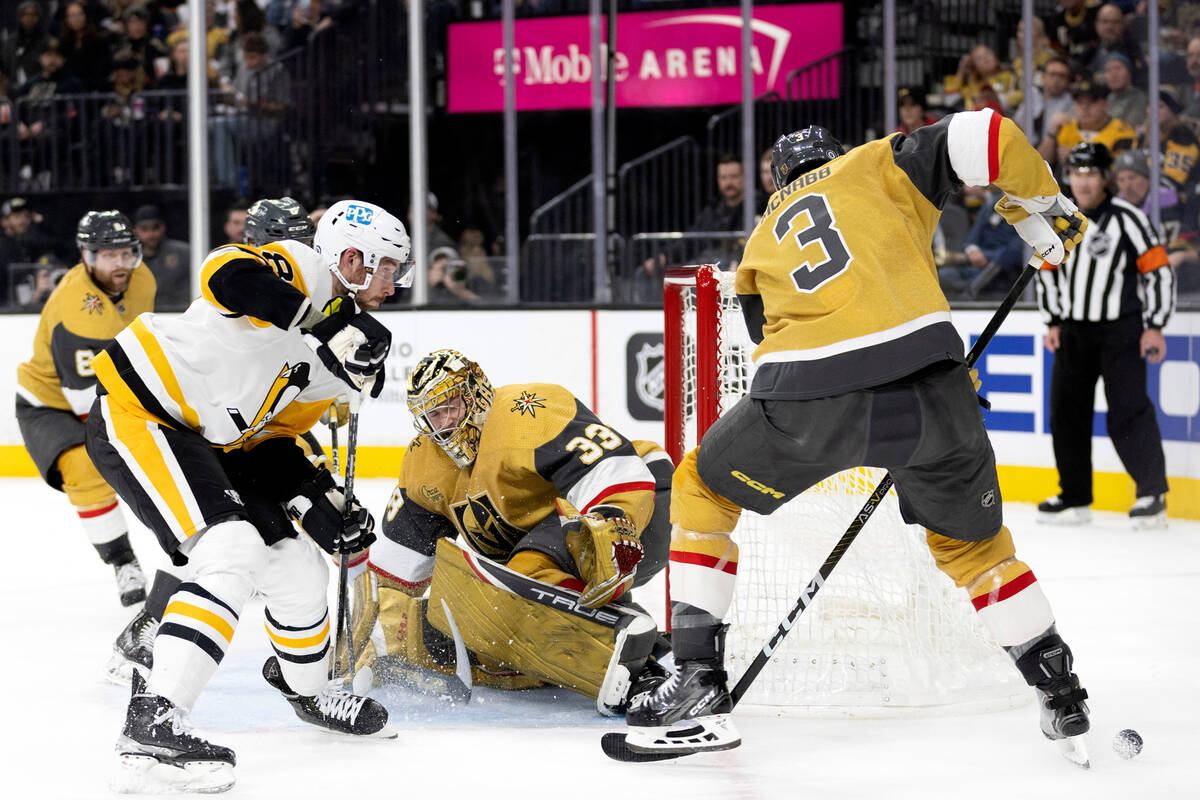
(438,381)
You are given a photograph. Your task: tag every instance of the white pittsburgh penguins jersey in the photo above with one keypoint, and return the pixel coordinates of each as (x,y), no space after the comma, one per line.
(178,368)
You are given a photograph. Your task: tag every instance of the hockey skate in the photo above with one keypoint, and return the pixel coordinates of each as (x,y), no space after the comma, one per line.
(1053,511)
(1149,512)
(1064,714)
(687,713)
(131,582)
(333,709)
(156,754)
(134,649)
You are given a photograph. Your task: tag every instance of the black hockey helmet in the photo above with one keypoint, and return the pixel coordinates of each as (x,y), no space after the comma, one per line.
(272,220)
(801,151)
(105,230)
(1090,155)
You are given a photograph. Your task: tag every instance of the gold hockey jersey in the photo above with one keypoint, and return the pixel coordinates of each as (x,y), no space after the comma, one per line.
(838,284)
(233,367)
(538,443)
(78,321)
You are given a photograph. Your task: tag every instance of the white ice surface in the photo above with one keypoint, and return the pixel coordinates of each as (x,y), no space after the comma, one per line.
(1124,601)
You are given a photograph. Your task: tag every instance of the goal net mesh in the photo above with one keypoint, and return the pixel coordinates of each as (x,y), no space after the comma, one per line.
(888,633)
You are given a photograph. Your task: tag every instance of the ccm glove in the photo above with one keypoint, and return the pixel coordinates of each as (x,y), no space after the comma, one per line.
(320,508)
(1052,226)
(352,346)
(606,548)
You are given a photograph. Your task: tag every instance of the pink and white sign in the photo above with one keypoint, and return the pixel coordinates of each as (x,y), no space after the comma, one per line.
(677,58)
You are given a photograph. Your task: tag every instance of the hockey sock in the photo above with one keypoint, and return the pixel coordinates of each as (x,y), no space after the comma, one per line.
(703,572)
(106,530)
(1011,603)
(161,590)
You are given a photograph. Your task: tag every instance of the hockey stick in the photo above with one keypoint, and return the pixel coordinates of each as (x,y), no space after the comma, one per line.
(614,744)
(345,633)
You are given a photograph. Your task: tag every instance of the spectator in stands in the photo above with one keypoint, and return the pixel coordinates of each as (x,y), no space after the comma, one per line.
(22,241)
(234,228)
(1093,123)
(437,238)
(1133,186)
(1125,101)
(766,178)
(84,48)
(1043,51)
(1053,107)
(216,41)
(175,78)
(1073,28)
(39,118)
(305,21)
(911,108)
(249,19)
(1112,37)
(981,81)
(168,259)
(1179,144)
(22,45)
(148,49)
(447,279)
(993,249)
(1190,95)
(724,214)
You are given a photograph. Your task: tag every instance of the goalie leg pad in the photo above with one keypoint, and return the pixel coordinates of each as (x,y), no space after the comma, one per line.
(564,643)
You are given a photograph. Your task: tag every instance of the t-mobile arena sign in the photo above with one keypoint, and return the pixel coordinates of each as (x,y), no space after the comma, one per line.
(676,58)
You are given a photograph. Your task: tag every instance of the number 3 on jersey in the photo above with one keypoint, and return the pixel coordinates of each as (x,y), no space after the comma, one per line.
(820,264)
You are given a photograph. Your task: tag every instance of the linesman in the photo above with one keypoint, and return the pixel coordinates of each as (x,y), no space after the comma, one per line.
(1106,306)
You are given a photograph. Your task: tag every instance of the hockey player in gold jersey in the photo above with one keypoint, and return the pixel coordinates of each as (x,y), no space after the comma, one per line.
(195,427)
(534,481)
(95,300)
(858,365)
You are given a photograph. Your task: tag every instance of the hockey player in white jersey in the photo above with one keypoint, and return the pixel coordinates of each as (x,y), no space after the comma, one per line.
(195,427)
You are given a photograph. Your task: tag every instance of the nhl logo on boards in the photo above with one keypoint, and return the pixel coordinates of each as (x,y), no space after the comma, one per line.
(645,376)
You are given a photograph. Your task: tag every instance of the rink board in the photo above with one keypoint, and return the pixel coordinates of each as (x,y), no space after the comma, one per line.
(612,360)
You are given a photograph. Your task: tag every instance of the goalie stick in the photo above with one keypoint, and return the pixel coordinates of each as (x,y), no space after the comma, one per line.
(615,746)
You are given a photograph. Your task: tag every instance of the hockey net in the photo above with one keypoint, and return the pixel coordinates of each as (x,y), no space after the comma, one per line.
(888,634)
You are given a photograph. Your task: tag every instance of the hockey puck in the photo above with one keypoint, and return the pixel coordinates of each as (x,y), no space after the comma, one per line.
(1127,743)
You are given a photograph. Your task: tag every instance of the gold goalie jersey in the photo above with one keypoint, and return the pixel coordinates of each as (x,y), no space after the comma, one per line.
(538,443)
(78,321)
(253,298)
(838,284)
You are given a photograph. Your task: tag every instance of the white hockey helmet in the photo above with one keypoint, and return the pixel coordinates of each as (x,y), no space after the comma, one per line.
(369,229)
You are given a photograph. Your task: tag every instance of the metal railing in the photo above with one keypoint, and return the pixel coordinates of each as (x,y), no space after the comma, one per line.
(663,189)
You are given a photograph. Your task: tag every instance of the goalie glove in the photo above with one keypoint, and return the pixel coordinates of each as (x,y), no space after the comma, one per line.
(352,346)
(1052,226)
(320,508)
(606,548)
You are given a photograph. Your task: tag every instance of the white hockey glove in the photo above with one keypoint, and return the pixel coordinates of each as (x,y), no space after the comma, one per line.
(606,548)
(352,346)
(320,508)
(1051,225)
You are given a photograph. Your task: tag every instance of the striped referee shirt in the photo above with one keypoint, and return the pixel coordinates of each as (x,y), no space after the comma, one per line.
(1119,269)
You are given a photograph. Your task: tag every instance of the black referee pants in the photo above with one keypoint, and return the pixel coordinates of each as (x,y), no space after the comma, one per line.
(1088,351)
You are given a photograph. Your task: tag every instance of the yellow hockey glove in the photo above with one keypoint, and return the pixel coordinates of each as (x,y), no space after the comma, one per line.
(338,412)
(1051,225)
(606,548)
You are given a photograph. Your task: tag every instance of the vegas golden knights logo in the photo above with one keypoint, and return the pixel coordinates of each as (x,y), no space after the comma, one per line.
(487,531)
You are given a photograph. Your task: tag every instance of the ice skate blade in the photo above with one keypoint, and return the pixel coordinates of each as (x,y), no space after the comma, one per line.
(138,773)
(119,670)
(686,737)
(1152,523)
(1075,750)
(1072,516)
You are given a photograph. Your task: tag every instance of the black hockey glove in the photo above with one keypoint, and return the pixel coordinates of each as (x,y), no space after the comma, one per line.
(320,510)
(351,345)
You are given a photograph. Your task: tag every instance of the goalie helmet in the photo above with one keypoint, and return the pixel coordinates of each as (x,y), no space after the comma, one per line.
(272,220)
(438,381)
(368,229)
(801,151)
(106,230)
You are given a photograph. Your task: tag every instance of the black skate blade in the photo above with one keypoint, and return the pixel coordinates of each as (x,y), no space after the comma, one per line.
(615,747)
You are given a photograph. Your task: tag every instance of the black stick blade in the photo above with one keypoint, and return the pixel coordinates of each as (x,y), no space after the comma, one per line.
(614,746)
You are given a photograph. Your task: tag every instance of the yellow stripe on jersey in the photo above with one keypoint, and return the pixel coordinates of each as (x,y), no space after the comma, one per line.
(203,615)
(275,251)
(158,360)
(131,425)
(296,644)
(216,260)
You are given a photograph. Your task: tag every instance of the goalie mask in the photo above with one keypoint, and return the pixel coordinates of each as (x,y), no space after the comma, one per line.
(449,397)
(370,230)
